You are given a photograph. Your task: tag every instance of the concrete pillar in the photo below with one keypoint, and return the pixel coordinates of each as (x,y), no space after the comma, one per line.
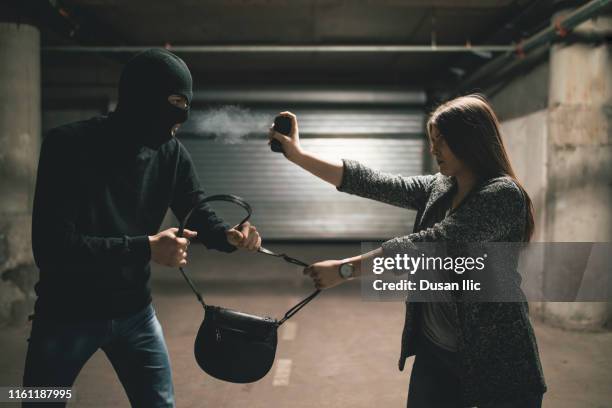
(20,139)
(579,160)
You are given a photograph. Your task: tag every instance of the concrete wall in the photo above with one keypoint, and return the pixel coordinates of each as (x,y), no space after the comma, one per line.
(555,120)
(580,159)
(522,108)
(19,146)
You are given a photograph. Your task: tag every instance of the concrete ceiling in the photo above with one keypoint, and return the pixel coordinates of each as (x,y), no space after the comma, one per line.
(296,21)
(288,22)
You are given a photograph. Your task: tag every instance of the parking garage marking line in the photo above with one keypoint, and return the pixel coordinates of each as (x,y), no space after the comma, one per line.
(283,372)
(289,331)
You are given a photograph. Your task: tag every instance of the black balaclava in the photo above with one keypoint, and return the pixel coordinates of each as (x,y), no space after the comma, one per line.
(146,82)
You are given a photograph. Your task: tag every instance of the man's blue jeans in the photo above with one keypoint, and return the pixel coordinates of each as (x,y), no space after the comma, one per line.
(134,345)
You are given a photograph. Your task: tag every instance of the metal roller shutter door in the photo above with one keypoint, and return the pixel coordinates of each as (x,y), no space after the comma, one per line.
(290,203)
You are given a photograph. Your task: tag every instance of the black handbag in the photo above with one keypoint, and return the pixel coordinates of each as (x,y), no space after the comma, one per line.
(231,345)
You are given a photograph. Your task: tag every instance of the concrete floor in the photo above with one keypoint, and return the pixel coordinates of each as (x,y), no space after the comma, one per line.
(338,352)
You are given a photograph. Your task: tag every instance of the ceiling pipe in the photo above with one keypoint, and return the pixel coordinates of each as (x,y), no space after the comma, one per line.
(313,95)
(559,29)
(284,48)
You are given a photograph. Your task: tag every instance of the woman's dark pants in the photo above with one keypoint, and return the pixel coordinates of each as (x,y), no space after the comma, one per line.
(434,381)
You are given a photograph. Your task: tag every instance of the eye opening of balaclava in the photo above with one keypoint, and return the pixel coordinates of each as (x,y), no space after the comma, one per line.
(147,80)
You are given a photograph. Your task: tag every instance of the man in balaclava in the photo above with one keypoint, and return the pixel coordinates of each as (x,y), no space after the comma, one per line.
(103,188)
(145,85)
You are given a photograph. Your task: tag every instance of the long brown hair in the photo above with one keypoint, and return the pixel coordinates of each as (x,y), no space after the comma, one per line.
(472,131)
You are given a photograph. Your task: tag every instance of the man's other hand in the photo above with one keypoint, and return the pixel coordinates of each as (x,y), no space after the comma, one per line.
(245,236)
(170,250)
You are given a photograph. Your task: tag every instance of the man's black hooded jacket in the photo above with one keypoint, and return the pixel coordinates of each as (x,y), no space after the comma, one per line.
(98,198)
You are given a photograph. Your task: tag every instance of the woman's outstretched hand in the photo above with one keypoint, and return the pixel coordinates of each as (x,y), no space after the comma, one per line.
(325,274)
(291,143)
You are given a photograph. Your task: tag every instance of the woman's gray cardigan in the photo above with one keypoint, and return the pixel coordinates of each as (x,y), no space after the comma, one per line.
(497,350)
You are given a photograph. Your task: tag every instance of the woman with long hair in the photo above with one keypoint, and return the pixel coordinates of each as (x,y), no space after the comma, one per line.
(468,354)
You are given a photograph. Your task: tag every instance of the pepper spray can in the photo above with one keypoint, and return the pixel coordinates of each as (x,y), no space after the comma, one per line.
(282,124)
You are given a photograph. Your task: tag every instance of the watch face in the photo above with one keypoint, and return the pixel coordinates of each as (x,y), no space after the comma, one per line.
(346,270)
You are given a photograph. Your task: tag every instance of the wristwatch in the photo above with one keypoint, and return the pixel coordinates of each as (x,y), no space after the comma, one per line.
(346,270)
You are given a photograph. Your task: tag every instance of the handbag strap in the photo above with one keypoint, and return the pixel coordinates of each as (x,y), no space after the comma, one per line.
(246,206)
(285,257)
(220,197)
(298,306)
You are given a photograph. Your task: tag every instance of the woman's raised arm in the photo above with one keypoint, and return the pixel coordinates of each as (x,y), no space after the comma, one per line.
(352,177)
